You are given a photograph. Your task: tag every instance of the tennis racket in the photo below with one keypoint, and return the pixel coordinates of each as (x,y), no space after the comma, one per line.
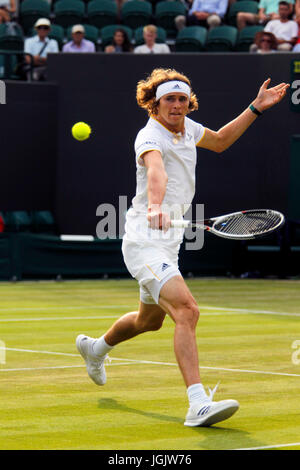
(243,225)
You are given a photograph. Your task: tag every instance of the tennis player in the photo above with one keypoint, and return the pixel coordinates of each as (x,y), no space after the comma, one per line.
(165,159)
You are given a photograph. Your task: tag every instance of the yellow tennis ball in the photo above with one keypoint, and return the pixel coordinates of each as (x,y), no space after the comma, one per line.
(81,131)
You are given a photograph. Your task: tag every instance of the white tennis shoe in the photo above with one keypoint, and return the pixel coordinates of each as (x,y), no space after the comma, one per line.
(208,412)
(94,365)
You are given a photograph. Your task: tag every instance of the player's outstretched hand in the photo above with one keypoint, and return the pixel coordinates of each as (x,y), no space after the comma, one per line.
(267,97)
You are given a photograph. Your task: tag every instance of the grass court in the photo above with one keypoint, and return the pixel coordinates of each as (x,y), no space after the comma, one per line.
(248,337)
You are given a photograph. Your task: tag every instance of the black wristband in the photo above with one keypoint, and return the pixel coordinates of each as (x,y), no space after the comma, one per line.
(254,110)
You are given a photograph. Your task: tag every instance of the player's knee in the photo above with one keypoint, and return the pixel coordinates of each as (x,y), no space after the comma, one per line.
(188,314)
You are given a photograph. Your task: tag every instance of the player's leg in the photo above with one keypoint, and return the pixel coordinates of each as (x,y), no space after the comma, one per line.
(149,317)
(177,300)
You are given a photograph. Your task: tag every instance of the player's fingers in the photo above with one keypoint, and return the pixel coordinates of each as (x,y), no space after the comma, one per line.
(265,84)
(282,86)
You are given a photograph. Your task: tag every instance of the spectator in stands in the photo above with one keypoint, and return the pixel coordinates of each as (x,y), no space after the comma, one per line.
(7,9)
(150,46)
(297,19)
(120,42)
(285,30)
(267,10)
(39,47)
(79,43)
(180,20)
(208,13)
(265,43)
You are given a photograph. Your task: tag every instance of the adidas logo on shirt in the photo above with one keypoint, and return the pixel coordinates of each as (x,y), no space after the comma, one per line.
(165,266)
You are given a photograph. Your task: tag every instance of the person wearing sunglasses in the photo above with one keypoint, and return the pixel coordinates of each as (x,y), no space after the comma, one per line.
(39,46)
(265,43)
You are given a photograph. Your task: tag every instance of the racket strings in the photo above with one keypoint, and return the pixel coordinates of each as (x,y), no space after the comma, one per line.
(253,223)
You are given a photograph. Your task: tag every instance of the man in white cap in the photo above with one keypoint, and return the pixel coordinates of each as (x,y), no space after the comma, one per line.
(39,47)
(79,43)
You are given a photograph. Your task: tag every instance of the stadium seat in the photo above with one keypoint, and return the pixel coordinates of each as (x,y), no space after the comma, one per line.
(91,33)
(136,13)
(69,12)
(17,221)
(101,13)
(30,11)
(246,37)
(191,39)
(165,14)
(107,33)
(139,38)
(11,37)
(222,39)
(249,6)
(43,222)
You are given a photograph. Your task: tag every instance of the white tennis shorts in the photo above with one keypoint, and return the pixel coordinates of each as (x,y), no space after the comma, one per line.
(151,265)
(150,256)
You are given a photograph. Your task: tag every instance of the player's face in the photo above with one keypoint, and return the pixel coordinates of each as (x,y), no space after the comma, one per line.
(172,110)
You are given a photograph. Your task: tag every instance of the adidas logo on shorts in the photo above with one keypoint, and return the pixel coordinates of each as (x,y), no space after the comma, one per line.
(165,266)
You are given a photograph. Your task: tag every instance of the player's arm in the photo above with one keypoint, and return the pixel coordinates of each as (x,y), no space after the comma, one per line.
(220,140)
(157,180)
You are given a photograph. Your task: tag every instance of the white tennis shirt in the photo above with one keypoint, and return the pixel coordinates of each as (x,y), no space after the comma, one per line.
(179,156)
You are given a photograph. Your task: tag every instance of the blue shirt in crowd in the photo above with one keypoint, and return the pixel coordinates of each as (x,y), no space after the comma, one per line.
(210,6)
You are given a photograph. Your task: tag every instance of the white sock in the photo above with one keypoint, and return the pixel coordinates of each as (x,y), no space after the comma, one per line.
(196,393)
(100,347)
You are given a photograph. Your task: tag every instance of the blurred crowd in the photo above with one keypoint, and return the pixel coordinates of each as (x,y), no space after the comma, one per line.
(279,30)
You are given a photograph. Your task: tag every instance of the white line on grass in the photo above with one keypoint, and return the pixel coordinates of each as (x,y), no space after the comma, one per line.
(275,446)
(102,317)
(137,361)
(62,307)
(223,311)
(56,367)
(246,311)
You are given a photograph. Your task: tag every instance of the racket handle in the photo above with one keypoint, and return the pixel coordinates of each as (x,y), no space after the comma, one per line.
(180,223)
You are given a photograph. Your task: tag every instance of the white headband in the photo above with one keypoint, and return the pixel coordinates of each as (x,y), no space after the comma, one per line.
(174,86)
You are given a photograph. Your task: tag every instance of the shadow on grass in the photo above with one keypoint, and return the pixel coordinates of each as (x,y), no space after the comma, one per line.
(212,438)
(111,404)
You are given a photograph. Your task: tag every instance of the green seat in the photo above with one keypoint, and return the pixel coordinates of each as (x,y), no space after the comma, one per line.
(107,33)
(43,222)
(17,221)
(101,13)
(139,38)
(11,37)
(165,14)
(30,11)
(8,64)
(221,39)
(136,13)
(249,6)
(246,37)
(191,39)
(91,33)
(69,12)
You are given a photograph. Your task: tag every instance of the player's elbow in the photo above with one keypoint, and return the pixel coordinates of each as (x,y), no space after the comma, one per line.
(220,146)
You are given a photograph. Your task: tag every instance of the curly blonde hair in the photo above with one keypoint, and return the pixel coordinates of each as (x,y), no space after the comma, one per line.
(146,89)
